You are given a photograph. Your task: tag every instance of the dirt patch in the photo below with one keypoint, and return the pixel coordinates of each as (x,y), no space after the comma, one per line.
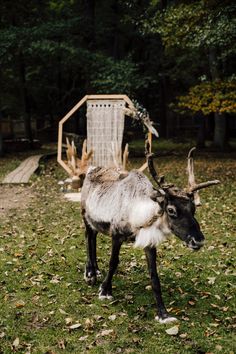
(14,197)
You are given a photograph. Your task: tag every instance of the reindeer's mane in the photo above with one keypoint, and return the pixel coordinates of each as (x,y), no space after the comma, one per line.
(106,175)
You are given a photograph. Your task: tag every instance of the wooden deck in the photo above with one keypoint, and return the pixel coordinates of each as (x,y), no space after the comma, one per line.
(23,172)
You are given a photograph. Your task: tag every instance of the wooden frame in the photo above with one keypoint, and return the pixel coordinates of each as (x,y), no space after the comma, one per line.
(128,111)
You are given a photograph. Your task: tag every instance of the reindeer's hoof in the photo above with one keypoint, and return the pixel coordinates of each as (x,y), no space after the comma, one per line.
(90,278)
(167,319)
(104,297)
(98,273)
(103,294)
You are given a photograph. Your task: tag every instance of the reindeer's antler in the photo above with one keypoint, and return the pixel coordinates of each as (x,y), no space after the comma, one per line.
(150,164)
(78,166)
(148,151)
(204,185)
(86,156)
(82,164)
(119,160)
(191,177)
(193,187)
(71,154)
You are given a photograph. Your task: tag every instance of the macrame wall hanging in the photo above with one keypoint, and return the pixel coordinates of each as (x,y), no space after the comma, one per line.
(105,128)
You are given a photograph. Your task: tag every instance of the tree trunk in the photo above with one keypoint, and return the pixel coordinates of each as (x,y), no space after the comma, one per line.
(115,38)
(1,145)
(201,134)
(163,107)
(90,14)
(220,136)
(163,88)
(220,131)
(25,101)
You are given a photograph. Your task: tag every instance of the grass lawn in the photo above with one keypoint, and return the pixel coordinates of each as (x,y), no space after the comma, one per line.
(46,307)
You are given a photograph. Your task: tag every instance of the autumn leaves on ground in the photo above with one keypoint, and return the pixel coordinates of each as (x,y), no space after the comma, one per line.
(46,307)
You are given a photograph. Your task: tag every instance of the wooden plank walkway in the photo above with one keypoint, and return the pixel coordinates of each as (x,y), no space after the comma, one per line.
(23,172)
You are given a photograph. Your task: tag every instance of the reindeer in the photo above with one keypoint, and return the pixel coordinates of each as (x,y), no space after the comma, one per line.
(127,206)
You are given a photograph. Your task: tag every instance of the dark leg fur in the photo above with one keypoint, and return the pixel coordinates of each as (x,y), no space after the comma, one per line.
(91,268)
(106,287)
(162,314)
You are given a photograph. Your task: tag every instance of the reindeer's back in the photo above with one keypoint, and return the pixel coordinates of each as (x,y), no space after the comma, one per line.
(110,197)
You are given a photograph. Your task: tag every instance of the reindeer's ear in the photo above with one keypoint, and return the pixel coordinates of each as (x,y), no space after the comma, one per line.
(159,196)
(123,174)
(161,200)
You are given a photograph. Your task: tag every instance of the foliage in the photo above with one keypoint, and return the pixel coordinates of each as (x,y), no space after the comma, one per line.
(54,52)
(197,24)
(200,36)
(210,97)
(116,76)
(62,49)
(45,305)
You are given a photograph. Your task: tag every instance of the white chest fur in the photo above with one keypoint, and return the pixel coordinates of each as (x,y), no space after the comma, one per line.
(153,235)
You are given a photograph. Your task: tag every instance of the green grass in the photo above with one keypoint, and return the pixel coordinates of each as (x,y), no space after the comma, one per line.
(165,146)
(43,292)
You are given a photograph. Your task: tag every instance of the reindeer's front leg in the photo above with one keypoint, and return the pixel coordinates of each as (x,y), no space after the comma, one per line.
(106,287)
(162,314)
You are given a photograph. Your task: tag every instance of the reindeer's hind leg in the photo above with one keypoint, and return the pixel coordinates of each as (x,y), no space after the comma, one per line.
(106,287)
(91,268)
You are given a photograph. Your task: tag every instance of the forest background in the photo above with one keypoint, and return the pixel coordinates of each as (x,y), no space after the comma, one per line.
(175,57)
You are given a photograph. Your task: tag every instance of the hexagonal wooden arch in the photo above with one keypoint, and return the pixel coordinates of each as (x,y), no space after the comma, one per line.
(128,111)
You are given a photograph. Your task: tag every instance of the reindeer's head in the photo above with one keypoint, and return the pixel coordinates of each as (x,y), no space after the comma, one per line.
(179,208)
(179,205)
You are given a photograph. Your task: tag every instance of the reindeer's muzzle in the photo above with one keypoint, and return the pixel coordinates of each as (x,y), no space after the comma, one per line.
(195,244)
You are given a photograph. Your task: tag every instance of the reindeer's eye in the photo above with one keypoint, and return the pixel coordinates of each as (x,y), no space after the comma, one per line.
(171,211)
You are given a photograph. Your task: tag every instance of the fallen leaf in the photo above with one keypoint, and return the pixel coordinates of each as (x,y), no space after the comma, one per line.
(211,280)
(185,318)
(105,332)
(88,324)
(62,312)
(225,309)
(55,279)
(18,254)
(19,304)
(173,331)
(192,303)
(215,306)
(148,287)
(218,347)
(214,324)
(209,333)
(83,338)
(61,344)
(75,326)
(16,342)
(68,320)
(112,317)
